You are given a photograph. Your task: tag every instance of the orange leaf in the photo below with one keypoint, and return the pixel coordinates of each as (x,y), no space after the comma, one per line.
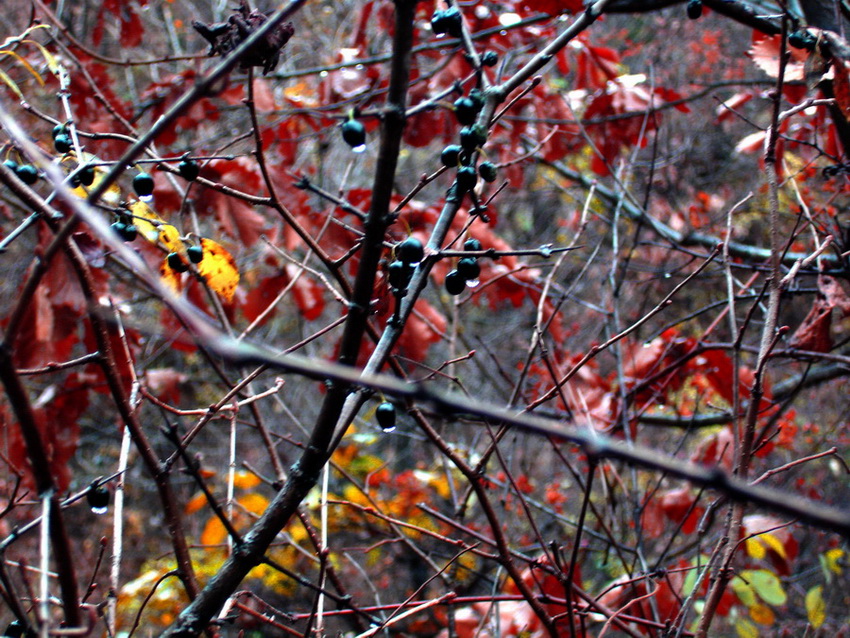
(218,268)
(214,532)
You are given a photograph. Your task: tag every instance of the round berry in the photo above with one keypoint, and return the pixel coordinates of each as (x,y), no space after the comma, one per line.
(455,283)
(467,178)
(694,9)
(410,251)
(354,133)
(802,39)
(130,233)
(63,143)
(98,497)
(86,175)
(489,58)
(450,157)
(195,254)
(472,244)
(466,110)
(189,170)
(12,165)
(487,170)
(399,274)
(471,137)
(27,173)
(60,129)
(468,268)
(143,184)
(14,630)
(447,21)
(385,413)
(176,263)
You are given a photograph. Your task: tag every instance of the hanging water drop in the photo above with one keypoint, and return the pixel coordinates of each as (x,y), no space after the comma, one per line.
(473,283)
(146,198)
(359,149)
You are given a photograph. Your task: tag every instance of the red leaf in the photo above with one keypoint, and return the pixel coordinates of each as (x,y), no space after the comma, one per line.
(132,29)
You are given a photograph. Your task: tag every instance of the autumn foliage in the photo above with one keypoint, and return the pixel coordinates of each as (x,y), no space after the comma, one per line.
(458,319)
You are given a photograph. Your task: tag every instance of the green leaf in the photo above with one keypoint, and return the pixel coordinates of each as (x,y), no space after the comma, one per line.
(816,606)
(767,585)
(743,591)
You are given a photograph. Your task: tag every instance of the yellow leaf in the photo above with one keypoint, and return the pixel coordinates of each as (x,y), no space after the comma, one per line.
(245,479)
(11,84)
(816,606)
(26,65)
(775,544)
(218,268)
(111,197)
(755,548)
(834,560)
(762,614)
(52,64)
(154,228)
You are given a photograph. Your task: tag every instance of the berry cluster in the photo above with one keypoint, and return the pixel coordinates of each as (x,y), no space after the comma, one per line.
(472,137)
(62,139)
(27,173)
(467,269)
(124,227)
(178,264)
(408,254)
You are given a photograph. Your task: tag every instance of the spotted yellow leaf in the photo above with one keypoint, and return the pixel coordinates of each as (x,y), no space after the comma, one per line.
(154,228)
(218,268)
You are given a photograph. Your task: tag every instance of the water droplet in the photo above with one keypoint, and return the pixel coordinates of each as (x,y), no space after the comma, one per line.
(359,149)
(323,74)
(359,67)
(388,430)
(473,283)
(99,510)
(646,344)
(146,198)
(667,275)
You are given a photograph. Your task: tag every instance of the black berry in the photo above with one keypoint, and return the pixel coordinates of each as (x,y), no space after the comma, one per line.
(487,170)
(489,58)
(385,413)
(694,9)
(472,244)
(450,157)
(468,268)
(98,497)
(410,251)
(27,173)
(354,133)
(399,275)
(466,179)
(195,254)
(62,143)
(455,283)
(14,630)
(143,184)
(176,263)
(86,175)
(189,170)
(447,21)
(12,165)
(802,39)
(471,137)
(466,110)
